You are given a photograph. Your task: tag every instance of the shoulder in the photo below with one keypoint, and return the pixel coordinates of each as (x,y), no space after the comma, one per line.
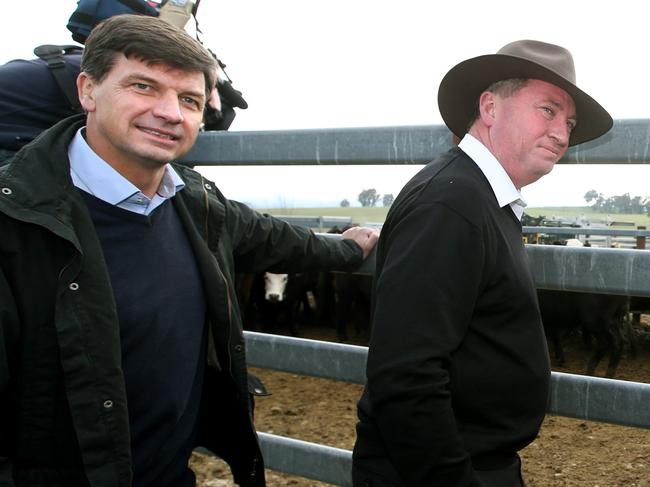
(196,184)
(19,71)
(199,190)
(453,181)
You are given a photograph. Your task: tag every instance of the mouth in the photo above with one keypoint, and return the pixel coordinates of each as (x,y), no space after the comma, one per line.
(554,152)
(160,134)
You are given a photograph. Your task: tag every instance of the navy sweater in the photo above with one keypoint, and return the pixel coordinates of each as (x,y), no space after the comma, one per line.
(161,308)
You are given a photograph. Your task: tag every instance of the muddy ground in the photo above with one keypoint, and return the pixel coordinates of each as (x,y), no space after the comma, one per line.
(567,452)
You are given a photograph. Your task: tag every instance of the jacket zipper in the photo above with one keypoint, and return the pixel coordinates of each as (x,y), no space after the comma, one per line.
(225,281)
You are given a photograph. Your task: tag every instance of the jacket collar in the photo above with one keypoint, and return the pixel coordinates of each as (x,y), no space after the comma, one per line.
(36,184)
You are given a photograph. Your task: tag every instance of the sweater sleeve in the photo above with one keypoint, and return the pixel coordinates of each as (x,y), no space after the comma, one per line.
(263,242)
(8,324)
(425,294)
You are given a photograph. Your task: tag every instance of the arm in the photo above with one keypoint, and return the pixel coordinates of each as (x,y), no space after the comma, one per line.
(8,320)
(262,242)
(427,284)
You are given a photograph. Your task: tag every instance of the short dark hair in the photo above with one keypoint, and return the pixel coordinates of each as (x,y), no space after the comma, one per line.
(504,88)
(149,39)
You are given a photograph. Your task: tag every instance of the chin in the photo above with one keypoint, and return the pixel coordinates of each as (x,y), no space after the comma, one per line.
(160,156)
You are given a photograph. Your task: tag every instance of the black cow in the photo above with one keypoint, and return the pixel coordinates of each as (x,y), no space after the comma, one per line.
(344,298)
(352,295)
(598,316)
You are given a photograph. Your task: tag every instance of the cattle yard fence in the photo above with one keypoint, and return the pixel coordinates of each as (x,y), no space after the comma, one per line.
(598,270)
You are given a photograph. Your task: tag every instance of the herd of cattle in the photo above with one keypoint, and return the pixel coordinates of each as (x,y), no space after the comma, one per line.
(280,303)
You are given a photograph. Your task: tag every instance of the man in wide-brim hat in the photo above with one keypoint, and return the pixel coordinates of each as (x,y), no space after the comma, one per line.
(458,369)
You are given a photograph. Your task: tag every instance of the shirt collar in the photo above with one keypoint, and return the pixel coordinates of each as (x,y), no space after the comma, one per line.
(505,191)
(92,174)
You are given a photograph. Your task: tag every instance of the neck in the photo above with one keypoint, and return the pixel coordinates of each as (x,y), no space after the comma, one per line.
(482,134)
(144,174)
(146,180)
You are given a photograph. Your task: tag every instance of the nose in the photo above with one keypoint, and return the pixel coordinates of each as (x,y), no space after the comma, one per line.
(560,131)
(168,107)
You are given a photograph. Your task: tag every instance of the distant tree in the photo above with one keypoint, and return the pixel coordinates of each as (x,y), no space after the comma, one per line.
(368,197)
(591,195)
(388,199)
(623,203)
(600,203)
(345,203)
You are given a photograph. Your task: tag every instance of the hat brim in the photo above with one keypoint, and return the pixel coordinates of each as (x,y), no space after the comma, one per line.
(463,84)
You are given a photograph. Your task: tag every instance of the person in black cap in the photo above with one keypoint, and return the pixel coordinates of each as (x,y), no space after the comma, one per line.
(458,369)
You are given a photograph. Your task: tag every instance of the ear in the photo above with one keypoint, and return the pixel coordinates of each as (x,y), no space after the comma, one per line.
(86,92)
(486,104)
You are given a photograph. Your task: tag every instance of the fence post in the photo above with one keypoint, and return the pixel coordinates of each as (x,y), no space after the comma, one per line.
(640,240)
(640,244)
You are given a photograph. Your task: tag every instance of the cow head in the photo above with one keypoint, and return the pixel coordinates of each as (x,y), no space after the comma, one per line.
(275,287)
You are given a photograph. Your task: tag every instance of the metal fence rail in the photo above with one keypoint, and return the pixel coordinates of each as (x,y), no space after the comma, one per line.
(585,269)
(305,459)
(575,396)
(598,270)
(320,222)
(626,143)
(617,232)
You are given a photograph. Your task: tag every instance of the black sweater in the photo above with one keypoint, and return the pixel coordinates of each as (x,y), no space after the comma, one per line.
(458,370)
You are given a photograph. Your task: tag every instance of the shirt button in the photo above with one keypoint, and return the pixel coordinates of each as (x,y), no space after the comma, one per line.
(108,404)
(73,286)
(6,191)
(238,348)
(208,186)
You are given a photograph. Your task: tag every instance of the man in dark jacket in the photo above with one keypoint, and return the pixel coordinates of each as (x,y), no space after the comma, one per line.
(121,346)
(458,368)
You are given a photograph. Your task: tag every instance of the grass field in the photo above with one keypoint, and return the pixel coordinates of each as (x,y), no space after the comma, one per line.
(378,214)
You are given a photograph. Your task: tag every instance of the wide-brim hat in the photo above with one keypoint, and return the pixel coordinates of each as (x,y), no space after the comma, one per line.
(461,87)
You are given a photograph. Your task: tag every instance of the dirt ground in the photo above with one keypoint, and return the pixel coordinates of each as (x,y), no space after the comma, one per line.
(567,452)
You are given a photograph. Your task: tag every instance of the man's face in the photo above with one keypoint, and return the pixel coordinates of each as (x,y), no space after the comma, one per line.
(142,115)
(530,130)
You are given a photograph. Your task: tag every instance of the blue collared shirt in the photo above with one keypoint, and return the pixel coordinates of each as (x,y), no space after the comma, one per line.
(93,175)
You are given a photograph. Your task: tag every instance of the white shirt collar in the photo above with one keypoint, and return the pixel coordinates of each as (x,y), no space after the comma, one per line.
(501,184)
(92,174)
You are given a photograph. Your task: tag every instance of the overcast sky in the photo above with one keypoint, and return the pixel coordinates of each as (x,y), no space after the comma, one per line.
(357,63)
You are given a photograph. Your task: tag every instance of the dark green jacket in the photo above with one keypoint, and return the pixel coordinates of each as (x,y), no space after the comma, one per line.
(63,413)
